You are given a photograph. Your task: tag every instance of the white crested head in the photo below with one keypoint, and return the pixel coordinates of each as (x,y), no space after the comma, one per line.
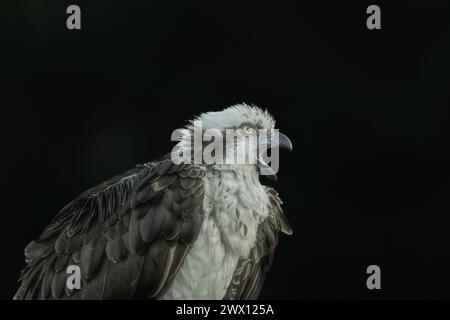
(237,116)
(238,135)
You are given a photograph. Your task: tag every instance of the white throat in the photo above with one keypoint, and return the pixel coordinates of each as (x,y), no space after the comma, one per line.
(238,204)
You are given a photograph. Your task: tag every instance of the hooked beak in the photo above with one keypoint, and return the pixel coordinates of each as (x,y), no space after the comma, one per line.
(282,142)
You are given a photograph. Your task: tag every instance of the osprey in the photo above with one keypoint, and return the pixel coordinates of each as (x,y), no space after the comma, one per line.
(167,230)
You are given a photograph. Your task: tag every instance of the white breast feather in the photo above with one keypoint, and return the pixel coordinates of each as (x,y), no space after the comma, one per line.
(234,205)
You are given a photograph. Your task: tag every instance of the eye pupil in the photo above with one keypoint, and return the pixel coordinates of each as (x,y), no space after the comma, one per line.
(248,129)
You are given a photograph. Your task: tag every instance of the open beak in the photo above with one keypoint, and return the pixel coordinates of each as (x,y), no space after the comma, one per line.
(282,142)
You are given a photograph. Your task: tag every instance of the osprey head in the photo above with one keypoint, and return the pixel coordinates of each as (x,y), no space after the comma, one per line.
(246,134)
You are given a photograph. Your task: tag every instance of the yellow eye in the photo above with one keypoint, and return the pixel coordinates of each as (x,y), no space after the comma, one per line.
(248,129)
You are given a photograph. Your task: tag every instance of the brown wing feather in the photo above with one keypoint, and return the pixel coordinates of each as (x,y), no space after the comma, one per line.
(129,236)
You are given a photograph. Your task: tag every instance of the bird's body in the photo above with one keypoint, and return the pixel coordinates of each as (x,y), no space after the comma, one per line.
(164,230)
(235,203)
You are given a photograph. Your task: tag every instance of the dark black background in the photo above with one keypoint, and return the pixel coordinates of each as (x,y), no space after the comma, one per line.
(367,111)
